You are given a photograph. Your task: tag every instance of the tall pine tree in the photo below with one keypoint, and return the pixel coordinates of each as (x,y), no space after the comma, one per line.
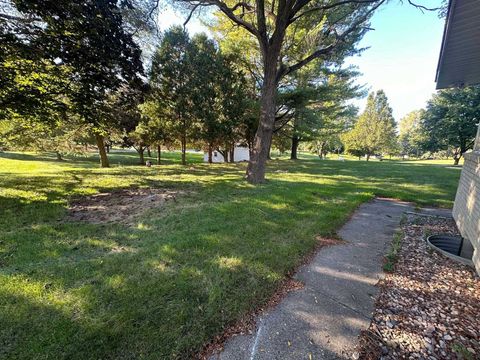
(374,132)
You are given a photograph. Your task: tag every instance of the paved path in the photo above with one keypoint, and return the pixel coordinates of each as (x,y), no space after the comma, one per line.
(323,320)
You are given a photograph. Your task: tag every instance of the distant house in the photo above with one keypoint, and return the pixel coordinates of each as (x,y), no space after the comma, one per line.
(459,65)
(240,153)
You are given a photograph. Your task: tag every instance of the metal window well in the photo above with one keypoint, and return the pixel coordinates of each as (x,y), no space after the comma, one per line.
(450,246)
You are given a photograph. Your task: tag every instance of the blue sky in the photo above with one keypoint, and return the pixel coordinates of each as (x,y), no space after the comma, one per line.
(401,57)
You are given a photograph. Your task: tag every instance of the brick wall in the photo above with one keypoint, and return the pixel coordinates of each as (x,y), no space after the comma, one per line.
(466,210)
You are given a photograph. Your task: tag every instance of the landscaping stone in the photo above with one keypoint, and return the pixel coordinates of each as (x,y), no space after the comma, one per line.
(437,301)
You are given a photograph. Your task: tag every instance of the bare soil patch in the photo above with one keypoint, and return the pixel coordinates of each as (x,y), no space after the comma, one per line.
(428,306)
(120,206)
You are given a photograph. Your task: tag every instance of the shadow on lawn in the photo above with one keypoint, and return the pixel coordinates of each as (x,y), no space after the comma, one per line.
(164,288)
(91,159)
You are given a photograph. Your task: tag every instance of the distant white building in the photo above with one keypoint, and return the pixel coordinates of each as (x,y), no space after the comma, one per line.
(241,153)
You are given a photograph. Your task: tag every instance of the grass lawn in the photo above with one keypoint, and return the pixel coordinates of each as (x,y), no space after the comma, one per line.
(188,269)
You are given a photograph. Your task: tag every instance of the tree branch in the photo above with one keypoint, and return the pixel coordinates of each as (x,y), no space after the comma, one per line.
(327,50)
(422,7)
(301,4)
(190,15)
(261,21)
(229,12)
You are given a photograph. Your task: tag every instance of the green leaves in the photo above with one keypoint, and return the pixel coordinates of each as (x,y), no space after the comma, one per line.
(95,57)
(197,92)
(451,118)
(374,132)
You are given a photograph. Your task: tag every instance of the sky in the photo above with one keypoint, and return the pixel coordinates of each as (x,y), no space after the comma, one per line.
(401,57)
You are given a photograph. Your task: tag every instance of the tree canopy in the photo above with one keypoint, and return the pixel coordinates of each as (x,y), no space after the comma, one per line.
(291,35)
(374,132)
(450,120)
(411,133)
(84,47)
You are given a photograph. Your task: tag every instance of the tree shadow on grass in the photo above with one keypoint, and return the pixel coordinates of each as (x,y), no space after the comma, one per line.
(168,285)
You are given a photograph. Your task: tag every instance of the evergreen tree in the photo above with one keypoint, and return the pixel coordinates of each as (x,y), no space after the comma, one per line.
(172,79)
(374,132)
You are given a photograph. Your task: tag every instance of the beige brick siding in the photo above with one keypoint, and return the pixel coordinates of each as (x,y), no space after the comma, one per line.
(466,210)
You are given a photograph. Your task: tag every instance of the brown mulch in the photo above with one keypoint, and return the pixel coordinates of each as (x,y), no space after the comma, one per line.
(247,324)
(120,206)
(428,307)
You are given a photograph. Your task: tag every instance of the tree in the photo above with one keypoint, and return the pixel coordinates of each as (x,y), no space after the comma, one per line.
(314,99)
(173,83)
(327,138)
(322,145)
(61,136)
(159,133)
(411,133)
(88,38)
(374,132)
(324,29)
(451,119)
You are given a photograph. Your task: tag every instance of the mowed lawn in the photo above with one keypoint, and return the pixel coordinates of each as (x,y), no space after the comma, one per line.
(186,270)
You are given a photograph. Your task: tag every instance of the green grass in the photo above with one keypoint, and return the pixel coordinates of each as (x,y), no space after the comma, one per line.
(192,267)
(392,255)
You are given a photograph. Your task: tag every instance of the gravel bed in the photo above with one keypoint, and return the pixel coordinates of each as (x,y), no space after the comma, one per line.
(429,306)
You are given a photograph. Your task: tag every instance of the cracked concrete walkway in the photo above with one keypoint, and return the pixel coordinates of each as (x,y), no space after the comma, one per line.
(323,320)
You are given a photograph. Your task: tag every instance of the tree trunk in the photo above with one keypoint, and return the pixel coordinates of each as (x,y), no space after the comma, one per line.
(322,151)
(59,156)
(263,137)
(140,151)
(226,153)
(107,148)
(149,153)
(368,157)
(232,153)
(159,154)
(101,151)
(184,149)
(210,154)
(295,142)
(250,150)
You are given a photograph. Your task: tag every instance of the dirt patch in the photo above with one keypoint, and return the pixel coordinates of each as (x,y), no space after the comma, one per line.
(247,324)
(122,206)
(428,306)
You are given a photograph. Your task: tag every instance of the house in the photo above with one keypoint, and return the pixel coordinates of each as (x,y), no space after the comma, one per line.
(459,65)
(240,153)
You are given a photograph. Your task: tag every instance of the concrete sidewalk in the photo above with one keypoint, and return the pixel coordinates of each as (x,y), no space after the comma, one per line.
(323,320)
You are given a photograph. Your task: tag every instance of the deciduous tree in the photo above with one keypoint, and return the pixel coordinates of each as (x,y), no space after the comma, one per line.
(328,28)
(451,119)
(411,134)
(89,38)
